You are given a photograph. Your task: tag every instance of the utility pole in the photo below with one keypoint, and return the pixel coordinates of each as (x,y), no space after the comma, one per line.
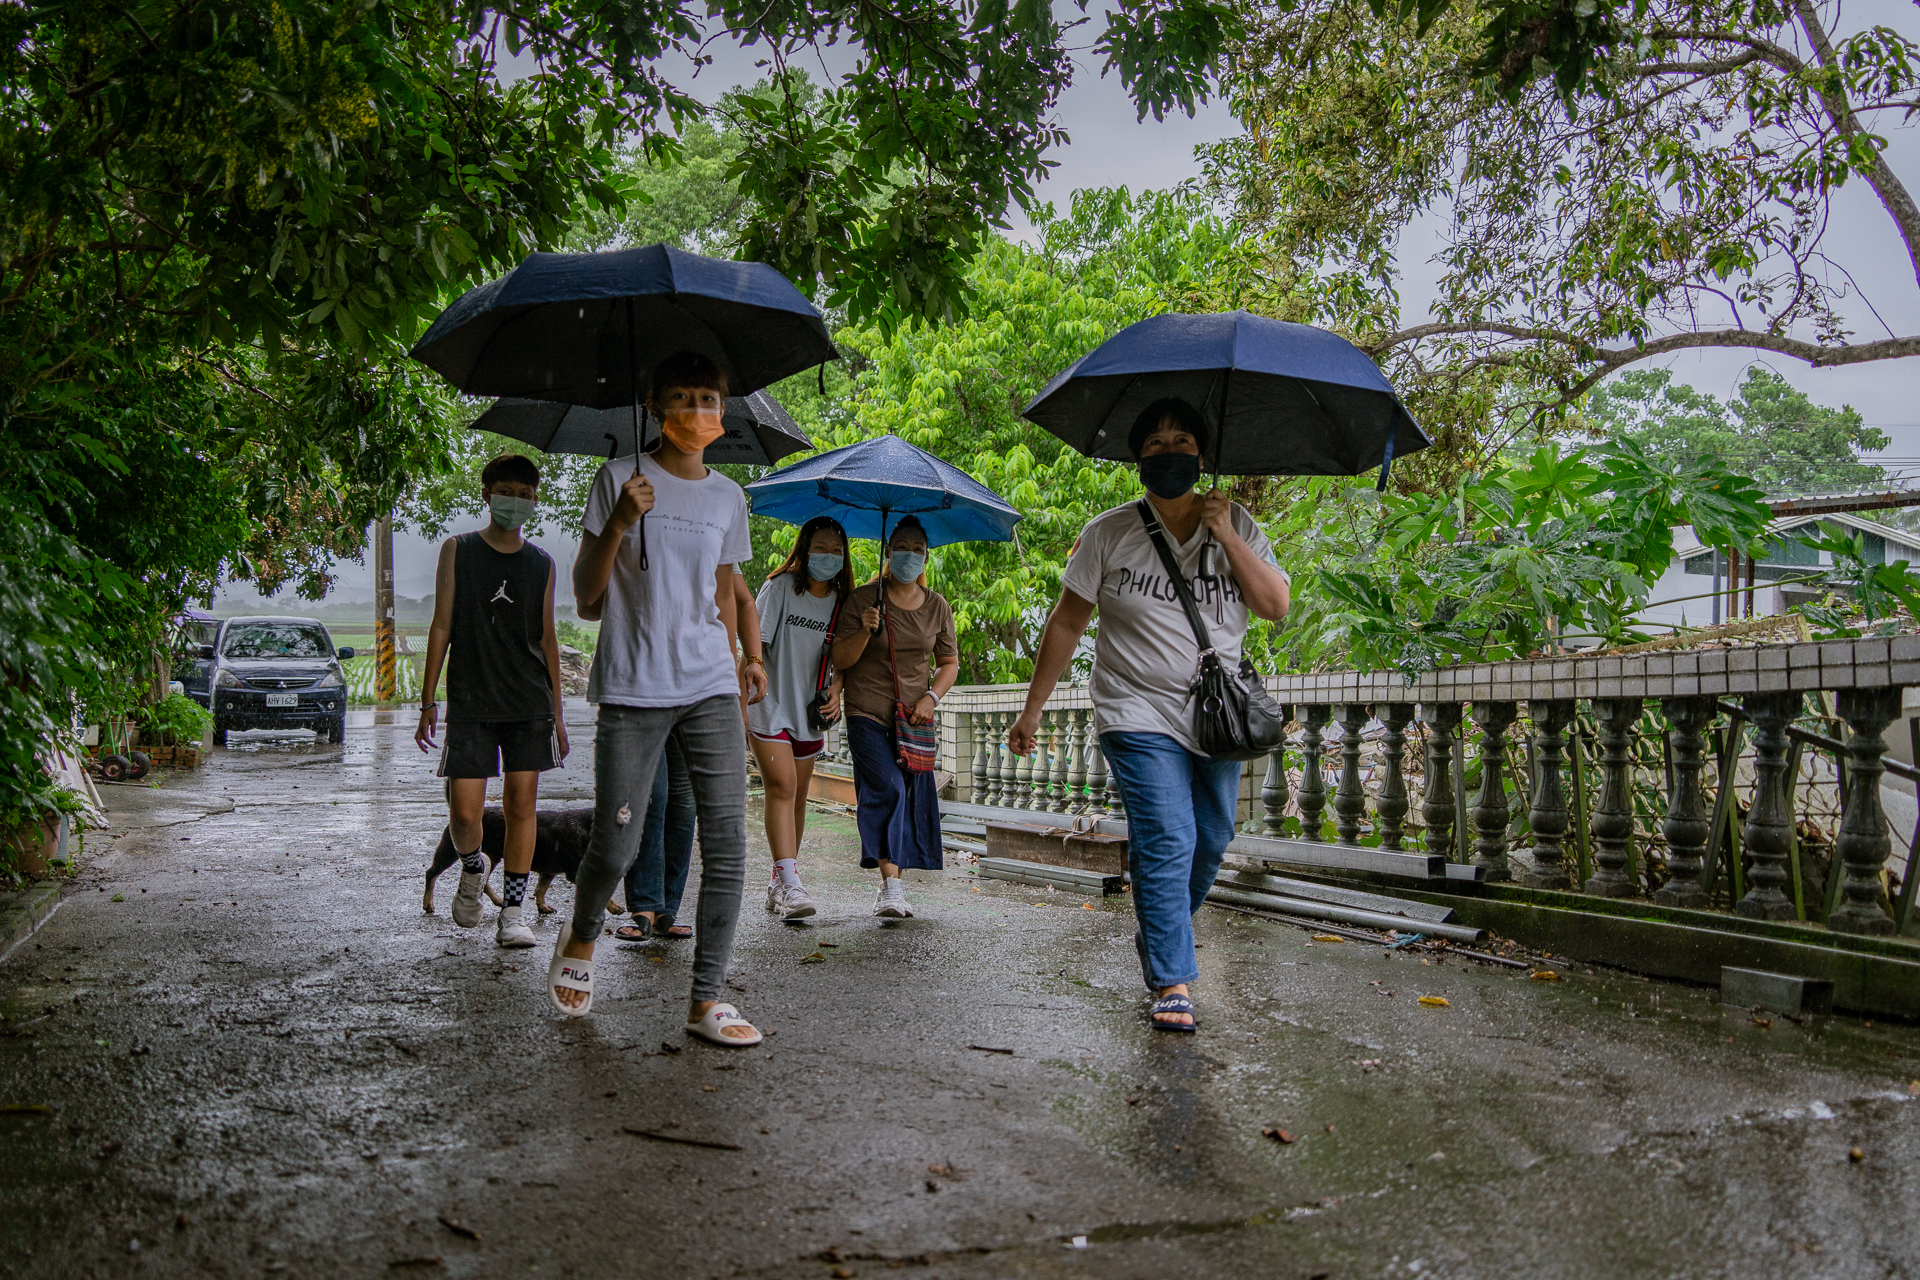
(385,690)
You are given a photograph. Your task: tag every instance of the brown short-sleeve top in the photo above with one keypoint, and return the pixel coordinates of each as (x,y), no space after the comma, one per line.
(919,635)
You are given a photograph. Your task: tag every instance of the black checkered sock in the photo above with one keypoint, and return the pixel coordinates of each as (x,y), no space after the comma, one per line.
(514,890)
(472,863)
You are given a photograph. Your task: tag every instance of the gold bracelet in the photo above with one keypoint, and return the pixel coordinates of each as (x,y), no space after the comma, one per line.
(756,658)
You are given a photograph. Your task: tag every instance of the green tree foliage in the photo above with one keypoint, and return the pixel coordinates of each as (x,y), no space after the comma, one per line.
(1562,546)
(957,390)
(1681,200)
(1769,432)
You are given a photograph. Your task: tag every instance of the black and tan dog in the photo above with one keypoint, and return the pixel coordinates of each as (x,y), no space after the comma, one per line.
(559,842)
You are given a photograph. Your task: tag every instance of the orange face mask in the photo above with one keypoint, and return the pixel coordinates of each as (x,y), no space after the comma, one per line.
(692,430)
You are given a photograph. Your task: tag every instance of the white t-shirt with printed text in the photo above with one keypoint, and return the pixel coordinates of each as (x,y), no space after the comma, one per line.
(794,630)
(1144,653)
(662,643)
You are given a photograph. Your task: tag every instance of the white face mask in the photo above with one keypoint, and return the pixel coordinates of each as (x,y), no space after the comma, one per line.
(510,512)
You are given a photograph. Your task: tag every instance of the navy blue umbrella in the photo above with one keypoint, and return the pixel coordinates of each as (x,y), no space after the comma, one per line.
(588,328)
(868,486)
(1284,399)
(758,430)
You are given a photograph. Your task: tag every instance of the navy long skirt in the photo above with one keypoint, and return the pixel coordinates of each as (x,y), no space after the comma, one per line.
(899,811)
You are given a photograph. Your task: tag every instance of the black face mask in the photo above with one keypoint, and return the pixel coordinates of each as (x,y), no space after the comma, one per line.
(1168,475)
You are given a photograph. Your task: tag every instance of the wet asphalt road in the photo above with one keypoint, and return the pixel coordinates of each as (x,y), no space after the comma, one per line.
(262,1059)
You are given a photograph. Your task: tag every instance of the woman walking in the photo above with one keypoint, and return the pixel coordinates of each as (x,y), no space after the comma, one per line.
(896,648)
(1180,803)
(799,606)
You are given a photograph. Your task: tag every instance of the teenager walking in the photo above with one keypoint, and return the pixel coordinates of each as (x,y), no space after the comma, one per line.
(798,606)
(662,534)
(895,645)
(493,629)
(1180,803)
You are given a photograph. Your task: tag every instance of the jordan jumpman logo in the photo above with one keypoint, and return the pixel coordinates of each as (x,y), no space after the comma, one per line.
(501,594)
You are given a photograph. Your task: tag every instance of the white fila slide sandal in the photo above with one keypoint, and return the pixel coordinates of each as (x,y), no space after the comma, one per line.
(709,1026)
(570,975)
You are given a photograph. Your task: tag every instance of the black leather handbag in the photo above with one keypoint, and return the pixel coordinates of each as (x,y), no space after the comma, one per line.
(1234,717)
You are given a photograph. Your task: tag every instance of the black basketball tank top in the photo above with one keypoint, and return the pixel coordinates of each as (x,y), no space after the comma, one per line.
(496,668)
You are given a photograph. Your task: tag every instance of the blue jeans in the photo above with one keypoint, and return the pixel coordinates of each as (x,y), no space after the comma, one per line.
(658,877)
(1180,809)
(628,743)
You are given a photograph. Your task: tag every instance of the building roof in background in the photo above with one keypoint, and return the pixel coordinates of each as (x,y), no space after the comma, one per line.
(1687,543)
(1835,503)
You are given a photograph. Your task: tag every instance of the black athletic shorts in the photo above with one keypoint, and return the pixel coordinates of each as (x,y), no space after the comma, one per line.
(480,749)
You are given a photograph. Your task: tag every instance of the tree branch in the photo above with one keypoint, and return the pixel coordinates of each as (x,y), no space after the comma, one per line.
(1816,354)
(1879,175)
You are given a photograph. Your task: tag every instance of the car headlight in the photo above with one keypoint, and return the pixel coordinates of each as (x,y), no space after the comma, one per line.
(227,680)
(332,680)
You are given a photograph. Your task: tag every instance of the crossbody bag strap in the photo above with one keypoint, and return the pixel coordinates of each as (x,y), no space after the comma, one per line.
(826,649)
(1180,584)
(886,625)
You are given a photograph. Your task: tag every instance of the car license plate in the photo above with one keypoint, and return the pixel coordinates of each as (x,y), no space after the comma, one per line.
(283,699)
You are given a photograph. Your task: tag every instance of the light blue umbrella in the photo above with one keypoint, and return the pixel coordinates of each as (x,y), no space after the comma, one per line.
(868,486)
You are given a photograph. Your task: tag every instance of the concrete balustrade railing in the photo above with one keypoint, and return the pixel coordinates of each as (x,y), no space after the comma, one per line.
(1761,691)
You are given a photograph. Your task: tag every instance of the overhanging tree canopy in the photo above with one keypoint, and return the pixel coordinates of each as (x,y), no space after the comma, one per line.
(1676,195)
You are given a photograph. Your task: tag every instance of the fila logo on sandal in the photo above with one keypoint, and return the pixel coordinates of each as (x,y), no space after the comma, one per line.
(578,975)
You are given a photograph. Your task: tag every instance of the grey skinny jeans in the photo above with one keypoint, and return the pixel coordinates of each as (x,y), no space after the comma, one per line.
(628,743)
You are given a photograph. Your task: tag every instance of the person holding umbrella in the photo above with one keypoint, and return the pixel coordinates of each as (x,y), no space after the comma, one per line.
(895,645)
(1180,803)
(898,652)
(663,667)
(800,603)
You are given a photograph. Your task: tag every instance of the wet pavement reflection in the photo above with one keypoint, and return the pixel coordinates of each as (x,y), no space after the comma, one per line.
(240,1048)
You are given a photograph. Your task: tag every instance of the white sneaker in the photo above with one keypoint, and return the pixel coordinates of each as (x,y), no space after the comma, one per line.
(891,902)
(512,931)
(789,901)
(466,899)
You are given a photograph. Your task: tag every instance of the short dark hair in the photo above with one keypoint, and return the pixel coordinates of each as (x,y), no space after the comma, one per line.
(512,468)
(687,369)
(1181,414)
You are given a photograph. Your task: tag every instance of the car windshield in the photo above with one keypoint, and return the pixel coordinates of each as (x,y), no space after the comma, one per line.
(278,640)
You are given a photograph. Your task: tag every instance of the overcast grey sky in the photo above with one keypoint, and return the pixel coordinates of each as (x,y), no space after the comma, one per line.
(1109,147)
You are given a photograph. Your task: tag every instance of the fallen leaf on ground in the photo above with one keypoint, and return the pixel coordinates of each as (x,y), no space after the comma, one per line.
(1544,975)
(1086,906)
(1765,1024)
(1914,1088)
(815,957)
(459,1229)
(40,1109)
(1328,937)
(1856,1155)
(826,944)
(1436,1002)
(1278,1135)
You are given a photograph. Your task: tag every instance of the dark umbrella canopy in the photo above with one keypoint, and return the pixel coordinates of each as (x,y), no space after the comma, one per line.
(868,486)
(759,431)
(1284,399)
(588,328)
